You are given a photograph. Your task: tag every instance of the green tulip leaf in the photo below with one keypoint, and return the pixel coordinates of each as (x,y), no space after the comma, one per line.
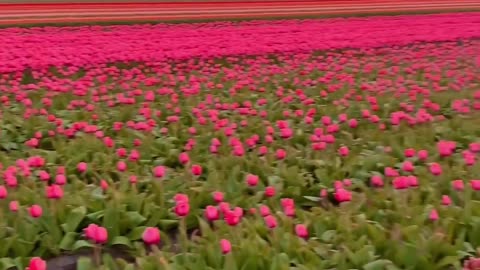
(74,219)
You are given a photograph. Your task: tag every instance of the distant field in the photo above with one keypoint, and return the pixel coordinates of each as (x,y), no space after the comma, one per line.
(132,1)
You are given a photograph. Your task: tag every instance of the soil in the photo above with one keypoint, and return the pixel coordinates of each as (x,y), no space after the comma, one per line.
(69,261)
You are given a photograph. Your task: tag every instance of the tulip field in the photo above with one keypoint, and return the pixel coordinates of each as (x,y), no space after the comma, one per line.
(347,143)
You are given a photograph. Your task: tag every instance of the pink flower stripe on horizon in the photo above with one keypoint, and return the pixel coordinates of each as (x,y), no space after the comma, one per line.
(88,46)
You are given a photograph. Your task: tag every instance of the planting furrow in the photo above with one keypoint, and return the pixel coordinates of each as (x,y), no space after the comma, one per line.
(30,14)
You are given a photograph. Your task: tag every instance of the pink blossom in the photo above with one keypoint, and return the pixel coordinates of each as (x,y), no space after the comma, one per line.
(433,216)
(343,151)
(196,169)
(342,195)
(458,185)
(225,246)
(82,167)
(301,230)
(252,180)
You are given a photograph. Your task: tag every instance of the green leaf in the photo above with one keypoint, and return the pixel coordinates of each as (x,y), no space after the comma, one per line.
(230,262)
(74,218)
(377,265)
(81,244)
(136,233)
(280,262)
(111,220)
(98,194)
(7,263)
(328,236)
(145,264)
(6,244)
(204,227)
(109,262)
(95,216)
(18,263)
(85,264)
(129,267)
(67,241)
(250,264)
(121,240)
(166,224)
(313,199)
(134,218)
(448,262)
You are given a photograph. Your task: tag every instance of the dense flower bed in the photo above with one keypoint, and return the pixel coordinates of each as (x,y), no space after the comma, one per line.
(91,45)
(349,159)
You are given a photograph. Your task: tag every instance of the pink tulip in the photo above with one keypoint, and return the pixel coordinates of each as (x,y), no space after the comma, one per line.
(134,155)
(412,181)
(151,236)
(287,202)
(196,170)
(184,158)
(390,172)
(338,184)
(301,230)
(54,192)
(218,196)
(60,179)
(343,151)
(225,246)
(264,210)
(82,167)
(422,155)
(97,234)
(121,152)
(133,179)
(458,185)
(44,176)
(262,150)
(121,166)
(212,213)
(281,154)
(159,171)
(353,123)
(182,209)
(103,185)
(37,263)
(61,170)
(435,169)
(342,195)
(408,166)
(446,148)
(13,206)
(433,216)
(3,192)
(400,182)
(232,218)
(35,211)
(179,197)
(376,181)
(269,191)
(252,180)
(446,200)
(271,221)
(475,184)
(410,152)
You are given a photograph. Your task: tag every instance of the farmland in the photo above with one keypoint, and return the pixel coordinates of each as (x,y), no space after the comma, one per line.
(348,143)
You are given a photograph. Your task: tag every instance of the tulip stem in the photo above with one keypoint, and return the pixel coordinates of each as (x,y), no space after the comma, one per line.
(183,234)
(161,259)
(276,240)
(161,195)
(97,251)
